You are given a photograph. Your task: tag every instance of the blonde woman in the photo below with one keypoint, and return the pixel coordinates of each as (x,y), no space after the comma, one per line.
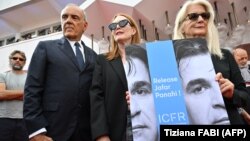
(109,109)
(196,20)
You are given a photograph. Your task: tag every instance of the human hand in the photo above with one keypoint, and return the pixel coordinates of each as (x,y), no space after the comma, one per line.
(128,97)
(245,115)
(20,98)
(226,86)
(41,137)
(103,138)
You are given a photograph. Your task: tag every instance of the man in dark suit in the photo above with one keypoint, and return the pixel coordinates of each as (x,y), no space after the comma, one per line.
(56,102)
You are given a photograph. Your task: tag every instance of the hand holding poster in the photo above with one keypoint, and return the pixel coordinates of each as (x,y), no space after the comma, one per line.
(204,101)
(174,85)
(143,116)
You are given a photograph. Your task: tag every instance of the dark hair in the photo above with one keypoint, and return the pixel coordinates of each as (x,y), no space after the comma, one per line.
(17,52)
(189,47)
(136,51)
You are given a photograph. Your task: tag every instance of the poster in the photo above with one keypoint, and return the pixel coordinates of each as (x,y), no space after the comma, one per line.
(172,83)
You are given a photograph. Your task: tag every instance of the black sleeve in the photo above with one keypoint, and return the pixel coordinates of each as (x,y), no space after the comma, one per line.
(33,90)
(230,70)
(99,126)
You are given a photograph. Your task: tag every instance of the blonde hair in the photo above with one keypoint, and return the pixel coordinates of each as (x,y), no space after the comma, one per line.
(212,36)
(114,51)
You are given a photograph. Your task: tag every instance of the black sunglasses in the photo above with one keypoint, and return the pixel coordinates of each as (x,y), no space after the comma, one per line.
(121,23)
(15,58)
(195,16)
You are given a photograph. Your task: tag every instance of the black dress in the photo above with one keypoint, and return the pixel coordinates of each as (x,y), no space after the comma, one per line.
(230,70)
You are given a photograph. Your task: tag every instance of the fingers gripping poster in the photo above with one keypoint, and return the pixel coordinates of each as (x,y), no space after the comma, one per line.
(172,83)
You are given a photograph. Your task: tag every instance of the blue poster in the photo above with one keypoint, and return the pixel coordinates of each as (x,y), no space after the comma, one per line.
(172,83)
(166,84)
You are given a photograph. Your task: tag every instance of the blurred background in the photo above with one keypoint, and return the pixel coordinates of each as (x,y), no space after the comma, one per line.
(23,23)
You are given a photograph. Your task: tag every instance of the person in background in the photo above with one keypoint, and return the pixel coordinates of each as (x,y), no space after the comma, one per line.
(56,101)
(143,116)
(196,19)
(110,116)
(241,57)
(11,99)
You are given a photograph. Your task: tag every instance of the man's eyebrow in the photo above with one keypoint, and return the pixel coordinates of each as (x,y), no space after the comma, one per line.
(65,14)
(138,84)
(200,81)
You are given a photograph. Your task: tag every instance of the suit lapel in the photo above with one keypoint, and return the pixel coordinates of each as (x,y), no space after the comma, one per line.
(119,69)
(65,47)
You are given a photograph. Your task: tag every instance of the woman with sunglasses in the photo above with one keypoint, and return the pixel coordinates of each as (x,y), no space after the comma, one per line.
(110,117)
(196,20)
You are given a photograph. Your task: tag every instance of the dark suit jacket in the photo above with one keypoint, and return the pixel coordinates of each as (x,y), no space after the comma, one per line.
(230,70)
(107,99)
(57,91)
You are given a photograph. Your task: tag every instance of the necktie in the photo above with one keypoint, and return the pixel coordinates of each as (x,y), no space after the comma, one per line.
(79,56)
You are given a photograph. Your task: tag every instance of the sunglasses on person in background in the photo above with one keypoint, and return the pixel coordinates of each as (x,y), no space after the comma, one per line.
(121,23)
(20,59)
(195,16)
